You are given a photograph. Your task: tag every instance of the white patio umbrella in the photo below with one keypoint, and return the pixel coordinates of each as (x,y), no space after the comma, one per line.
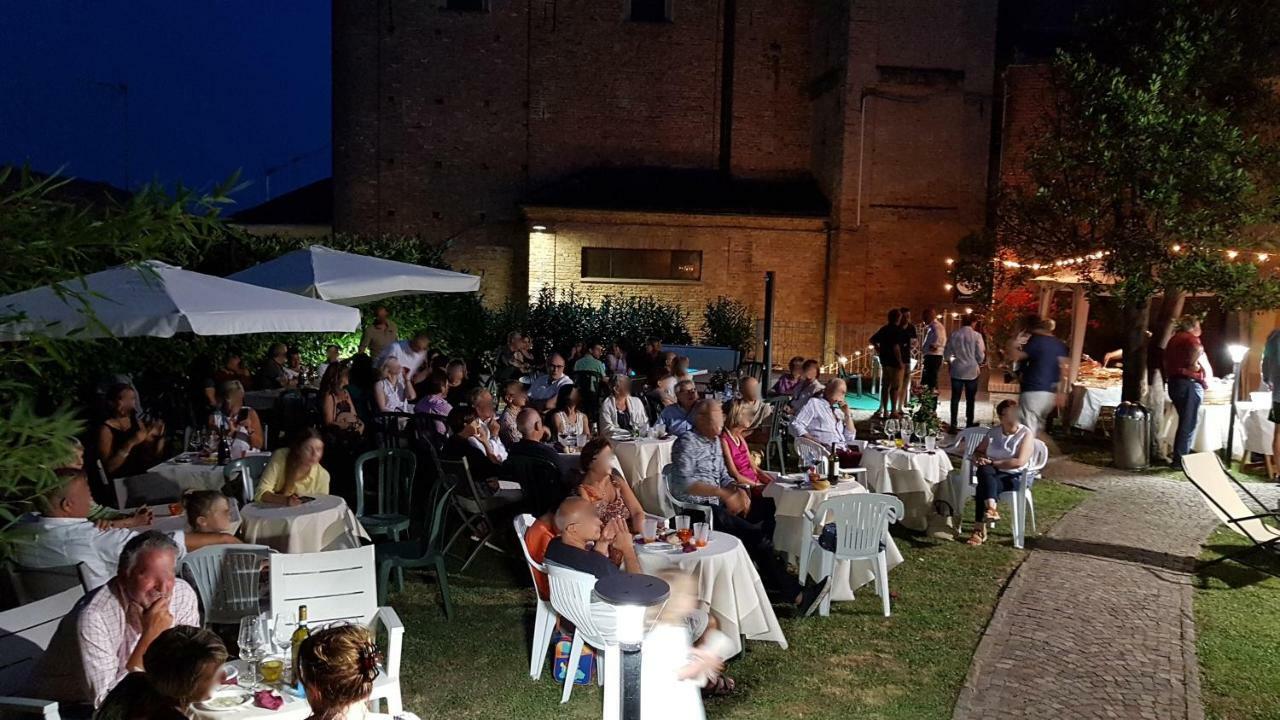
(352,279)
(157,299)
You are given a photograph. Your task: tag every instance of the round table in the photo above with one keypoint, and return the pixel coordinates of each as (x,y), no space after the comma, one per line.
(172,476)
(727,583)
(794,531)
(325,523)
(932,465)
(166,523)
(1258,429)
(641,462)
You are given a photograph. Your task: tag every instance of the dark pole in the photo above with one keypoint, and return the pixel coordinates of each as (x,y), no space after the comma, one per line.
(630,682)
(1231,425)
(768,328)
(726,85)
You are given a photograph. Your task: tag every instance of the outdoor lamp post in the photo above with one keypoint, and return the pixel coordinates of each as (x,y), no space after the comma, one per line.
(1237,353)
(631,595)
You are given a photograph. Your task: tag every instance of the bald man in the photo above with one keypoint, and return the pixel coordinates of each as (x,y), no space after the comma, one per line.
(584,541)
(533,436)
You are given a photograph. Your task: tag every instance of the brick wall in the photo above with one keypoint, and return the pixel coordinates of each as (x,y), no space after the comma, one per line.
(736,252)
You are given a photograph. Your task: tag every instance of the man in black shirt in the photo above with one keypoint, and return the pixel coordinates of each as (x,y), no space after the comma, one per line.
(584,541)
(532,438)
(888,345)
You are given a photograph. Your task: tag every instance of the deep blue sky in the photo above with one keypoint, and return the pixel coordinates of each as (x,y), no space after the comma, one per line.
(125,91)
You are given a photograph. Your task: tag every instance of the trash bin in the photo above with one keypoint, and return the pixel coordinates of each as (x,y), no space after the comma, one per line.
(1132,437)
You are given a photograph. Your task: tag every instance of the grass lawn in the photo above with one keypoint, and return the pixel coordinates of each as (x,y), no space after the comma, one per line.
(852,664)
(1238,634)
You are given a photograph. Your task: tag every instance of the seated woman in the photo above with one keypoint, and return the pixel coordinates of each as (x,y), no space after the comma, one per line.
(680,368)
(615,362)
(336,405)
(209,518)
(393,393)
(295,472)
(738,460)
(435,401)
(459,384)
(183,665)
(338,666)
(127,445)
(603,485)
(621,412)
(999,458)
(567,419)
(235,420)
(232,369)
(470,440)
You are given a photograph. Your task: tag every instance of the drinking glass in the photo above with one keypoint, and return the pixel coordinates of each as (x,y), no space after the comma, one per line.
(282,635)
(650,529)
(683,531)
(904,432)
(930,443)
(568,441)
(891,427)
(701,534)
(253,644)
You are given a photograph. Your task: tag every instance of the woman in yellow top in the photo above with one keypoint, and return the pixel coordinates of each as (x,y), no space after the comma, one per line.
(295,472)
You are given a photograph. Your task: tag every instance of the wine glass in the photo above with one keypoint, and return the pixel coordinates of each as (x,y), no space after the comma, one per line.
(282,636)
(891,427)
(253,641)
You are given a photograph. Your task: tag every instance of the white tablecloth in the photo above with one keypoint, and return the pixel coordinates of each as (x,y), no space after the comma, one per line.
(294,708)
(1258,430)
(794,531)
(325,523)
(727,582)
(164,522)
(642,462)
(933,466)
(195,475)
(1211,429)
(1086,402)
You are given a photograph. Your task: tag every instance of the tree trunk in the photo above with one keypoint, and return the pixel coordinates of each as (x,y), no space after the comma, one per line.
(1135,318)
(1162,327)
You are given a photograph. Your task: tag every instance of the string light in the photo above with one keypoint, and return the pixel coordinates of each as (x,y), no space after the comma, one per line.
(1176,248)
(968,311)
(950,262)
(947,287)
(1263,257)
(955,315)
(1231,254)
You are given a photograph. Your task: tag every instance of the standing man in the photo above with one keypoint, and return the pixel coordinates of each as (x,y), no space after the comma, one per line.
(412,355)
(889,349)
(379,335)
(965,352)
(935,338)
(1185,375)
(1271,375)
(1041,359)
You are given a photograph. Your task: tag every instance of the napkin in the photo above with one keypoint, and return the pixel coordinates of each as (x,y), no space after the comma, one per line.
(267,699)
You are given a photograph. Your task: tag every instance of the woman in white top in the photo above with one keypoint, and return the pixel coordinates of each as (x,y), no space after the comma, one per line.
(621,412)
(1000,458)
(567,418)
(393,392)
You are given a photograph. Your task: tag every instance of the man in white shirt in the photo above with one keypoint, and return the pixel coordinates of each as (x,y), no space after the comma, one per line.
(826,418)
(63,534)
(546,386)
(678,418)
(935,339)
(105,636)
(965,352)
(412,355)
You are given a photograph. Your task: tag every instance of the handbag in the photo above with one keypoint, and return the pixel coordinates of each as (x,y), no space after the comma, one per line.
(584,674)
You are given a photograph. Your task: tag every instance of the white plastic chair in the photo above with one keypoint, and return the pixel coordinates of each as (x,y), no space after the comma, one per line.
(226,578)
(810,451)
(1022,504)
(25,633)
(705,509)
(544,622)
(964,478)
(340,586)
(862,520)
(595,623)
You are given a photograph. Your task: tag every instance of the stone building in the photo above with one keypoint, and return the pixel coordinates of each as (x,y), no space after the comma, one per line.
(678,148)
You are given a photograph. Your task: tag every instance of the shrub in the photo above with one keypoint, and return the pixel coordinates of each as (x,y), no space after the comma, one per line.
(729,323)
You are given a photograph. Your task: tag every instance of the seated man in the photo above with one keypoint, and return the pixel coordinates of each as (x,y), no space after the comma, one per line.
(108,632)
(62,533)
(591,360)
(698,475)
(584,541)
(533,436)
(678,417)
(826,419)
(546,386)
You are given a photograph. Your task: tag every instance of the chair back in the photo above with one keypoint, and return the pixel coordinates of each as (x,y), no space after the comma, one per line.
(248,470)
(1039,458)
(861,520)
(540,481)
(225,578)
(25,633)
(336,586)
(665,479)
(589,384)
(969,439)
(1205,471)
(522,523)
(457,474)
(752,368)
(31,584)
(392,481)
(777,418)
(393,430)
(431,429)
(810,451)
(571,598)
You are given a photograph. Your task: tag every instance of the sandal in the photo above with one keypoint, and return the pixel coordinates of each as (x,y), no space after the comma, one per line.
(976,539)
(722,686)
(992,515)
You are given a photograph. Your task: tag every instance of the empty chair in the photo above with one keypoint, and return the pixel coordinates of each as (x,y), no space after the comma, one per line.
(226,578)
(1221,492)
(544,621)
(421,551)
(704,509)
(246,471)
(394,471)
(595,623)
(339,586)
(25,633)
(473,506)
(861,522)
(775,447)
(541,482)
(394,430)
(29,584)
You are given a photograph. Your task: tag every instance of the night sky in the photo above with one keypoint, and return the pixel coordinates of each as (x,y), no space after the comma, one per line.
(126,91)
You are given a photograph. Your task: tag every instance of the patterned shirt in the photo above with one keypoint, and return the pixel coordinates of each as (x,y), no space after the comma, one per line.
(819,421)
(89,652)
(697,459)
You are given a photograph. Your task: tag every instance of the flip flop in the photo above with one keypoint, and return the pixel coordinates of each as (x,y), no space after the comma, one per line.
(723,686)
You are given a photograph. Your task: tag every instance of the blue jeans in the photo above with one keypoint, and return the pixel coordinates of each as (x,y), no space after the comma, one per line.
(992,482)
(970,389)
(1186,395)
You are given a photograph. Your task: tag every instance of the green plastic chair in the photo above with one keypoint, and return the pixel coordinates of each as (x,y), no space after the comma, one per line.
(248,470)
(393,492)
(776,447)
(423,552)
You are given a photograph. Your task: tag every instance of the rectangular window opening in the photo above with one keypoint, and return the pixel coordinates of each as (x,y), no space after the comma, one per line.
(627,264)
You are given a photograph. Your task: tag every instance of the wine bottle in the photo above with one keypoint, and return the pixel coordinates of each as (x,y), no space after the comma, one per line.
(831,465)
(300,633)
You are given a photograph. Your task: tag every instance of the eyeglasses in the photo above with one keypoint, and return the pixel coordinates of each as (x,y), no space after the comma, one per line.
(557,367)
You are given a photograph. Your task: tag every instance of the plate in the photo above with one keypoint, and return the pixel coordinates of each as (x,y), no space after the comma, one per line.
(227,697)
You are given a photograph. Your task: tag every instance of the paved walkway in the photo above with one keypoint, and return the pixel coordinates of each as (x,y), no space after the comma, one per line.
(1098,621)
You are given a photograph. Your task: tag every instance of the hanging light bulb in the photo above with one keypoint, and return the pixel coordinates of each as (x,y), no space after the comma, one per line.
(1231,254)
